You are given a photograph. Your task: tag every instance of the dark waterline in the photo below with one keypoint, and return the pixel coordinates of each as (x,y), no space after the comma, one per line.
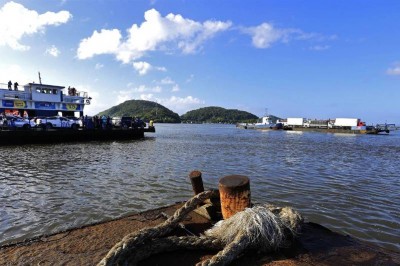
(348,183)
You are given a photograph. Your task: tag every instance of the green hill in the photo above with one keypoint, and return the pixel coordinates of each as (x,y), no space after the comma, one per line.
(146,110)
(218,115)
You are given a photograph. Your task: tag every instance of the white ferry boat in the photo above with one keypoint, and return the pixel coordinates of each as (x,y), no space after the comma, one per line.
(37,99)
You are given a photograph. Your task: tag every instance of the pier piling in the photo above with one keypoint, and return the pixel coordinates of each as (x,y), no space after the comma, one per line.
(197,181)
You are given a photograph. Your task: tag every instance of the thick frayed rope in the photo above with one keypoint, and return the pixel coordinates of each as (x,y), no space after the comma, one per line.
(262,227)
(120,251)
(265,228)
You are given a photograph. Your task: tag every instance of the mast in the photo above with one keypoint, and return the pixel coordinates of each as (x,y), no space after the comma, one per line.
(40,79)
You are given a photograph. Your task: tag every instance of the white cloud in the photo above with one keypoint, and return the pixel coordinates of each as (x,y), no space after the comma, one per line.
(265,34)
(98,104)
(176,104)
(135,92)
(13,73)
(141,67)
(155,33)
(175,88)
(162,69)
(103,42)
(320,47)
(143,92)
(191,77)
(394,70)
(167,81)
(143,88)
(98,66)
(53,51)
(122,98)
(181,104)
(146,97)
(16,22)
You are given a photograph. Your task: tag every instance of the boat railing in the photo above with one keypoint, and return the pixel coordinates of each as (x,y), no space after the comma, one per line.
(83,94)
(386,127)
(12,94)
(73,99)
(75,93)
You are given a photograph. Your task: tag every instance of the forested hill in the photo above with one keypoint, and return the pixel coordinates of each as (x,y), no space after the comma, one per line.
(218,115)
(146,110)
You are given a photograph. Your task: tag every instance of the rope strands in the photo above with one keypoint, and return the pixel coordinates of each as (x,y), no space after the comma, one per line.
(263,227)
(120,251)
(173,243)
(256,227)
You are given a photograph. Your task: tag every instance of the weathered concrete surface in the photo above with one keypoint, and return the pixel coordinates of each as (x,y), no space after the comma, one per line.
(316,245)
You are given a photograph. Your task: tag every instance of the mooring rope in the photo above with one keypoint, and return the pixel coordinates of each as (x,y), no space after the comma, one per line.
(262,227)
(120,251)
(173,243)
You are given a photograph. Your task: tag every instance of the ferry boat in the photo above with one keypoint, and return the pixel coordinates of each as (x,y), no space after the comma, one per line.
(37,99)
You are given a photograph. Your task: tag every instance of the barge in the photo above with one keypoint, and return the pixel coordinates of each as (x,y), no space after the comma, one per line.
(338,125)
(40,136)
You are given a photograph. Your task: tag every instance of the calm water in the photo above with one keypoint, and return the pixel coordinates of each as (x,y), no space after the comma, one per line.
(348,183)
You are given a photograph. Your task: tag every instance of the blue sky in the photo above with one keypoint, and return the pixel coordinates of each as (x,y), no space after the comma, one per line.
(312,59)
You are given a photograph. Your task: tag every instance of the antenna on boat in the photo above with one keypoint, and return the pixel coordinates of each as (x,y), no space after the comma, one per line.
(40,79)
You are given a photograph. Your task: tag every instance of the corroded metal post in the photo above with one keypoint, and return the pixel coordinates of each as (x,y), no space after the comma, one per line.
(197,182)
(234,192)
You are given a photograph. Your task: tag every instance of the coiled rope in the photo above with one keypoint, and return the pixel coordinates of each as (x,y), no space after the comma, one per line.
(120,251)
(263,227)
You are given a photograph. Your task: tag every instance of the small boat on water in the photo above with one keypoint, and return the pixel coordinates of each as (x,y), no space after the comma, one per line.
(264,122)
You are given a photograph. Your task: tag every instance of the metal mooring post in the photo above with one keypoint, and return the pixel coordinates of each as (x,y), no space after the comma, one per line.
(234,191)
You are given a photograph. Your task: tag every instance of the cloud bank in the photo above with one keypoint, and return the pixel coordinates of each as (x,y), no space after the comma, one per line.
(16,22)
(394,70)
(156,33)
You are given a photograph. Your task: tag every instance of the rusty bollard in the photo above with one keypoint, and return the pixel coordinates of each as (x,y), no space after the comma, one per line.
(234,191)
(197,182)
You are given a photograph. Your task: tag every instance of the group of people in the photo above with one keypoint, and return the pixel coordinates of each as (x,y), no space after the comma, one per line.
(72,91)
(102,122)
(105,122)
(15,85)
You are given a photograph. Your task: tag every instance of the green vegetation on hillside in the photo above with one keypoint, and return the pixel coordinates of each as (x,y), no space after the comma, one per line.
(146,110)
(218,115)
